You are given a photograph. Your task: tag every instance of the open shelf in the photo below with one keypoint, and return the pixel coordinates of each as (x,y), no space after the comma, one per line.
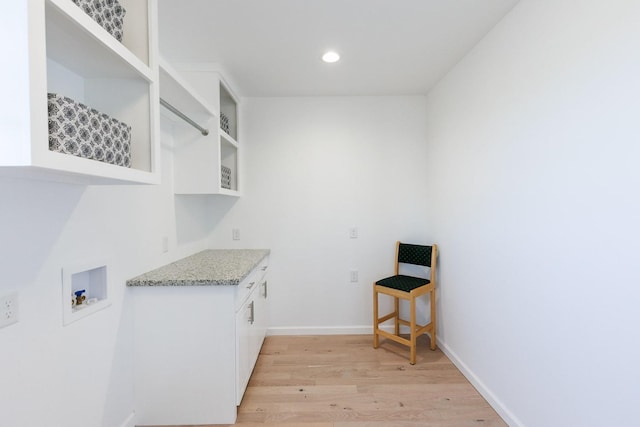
(229,108)
(73,56)
(199,160)
(78,42)
(179,93)
(229,159)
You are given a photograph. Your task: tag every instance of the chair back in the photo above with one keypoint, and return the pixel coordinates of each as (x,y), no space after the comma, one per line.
(414,254)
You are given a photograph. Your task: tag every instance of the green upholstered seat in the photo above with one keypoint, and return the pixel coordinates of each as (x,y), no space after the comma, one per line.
(403,283)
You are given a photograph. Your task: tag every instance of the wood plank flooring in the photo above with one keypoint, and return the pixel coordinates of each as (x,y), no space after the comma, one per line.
(342,381)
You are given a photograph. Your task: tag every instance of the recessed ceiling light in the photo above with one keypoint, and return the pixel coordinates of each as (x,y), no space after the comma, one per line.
(330,57)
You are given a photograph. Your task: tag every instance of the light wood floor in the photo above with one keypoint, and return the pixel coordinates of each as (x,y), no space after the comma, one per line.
(341,381)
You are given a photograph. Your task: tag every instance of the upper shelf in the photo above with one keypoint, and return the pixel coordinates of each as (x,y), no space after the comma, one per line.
(179,93)
(77,42)
(70,54)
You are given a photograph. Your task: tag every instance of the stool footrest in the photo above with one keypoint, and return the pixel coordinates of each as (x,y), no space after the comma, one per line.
(393,337)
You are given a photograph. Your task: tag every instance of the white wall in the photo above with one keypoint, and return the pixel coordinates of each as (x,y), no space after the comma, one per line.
(314,168)
(527,182)
(533,148)
(81,374)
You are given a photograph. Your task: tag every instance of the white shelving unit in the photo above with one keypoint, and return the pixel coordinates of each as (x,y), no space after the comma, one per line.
(60,49)
(198,159)
(229,140)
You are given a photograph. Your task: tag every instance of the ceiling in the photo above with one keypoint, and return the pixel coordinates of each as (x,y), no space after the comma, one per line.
(273,47)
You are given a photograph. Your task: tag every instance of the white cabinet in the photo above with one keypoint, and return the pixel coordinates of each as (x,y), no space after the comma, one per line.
(204,164)
(244,327)
(251,328)
(55,47)
(261,312)
(195,349)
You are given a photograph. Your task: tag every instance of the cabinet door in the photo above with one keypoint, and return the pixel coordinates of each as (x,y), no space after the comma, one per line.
(244,364)
(261,320)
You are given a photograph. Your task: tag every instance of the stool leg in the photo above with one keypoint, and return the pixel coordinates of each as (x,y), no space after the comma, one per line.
(396,307)
(413,331)
(432,303)
(375,318)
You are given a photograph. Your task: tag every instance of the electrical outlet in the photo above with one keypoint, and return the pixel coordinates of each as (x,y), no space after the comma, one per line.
(235,234)
(165,244)
(8,309)
(354,276)
(353,233)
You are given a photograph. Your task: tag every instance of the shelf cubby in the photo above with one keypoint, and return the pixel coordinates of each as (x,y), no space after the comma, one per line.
(71,55)
(198,159)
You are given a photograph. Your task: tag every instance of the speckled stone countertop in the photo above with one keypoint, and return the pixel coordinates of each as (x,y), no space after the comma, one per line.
(207,268)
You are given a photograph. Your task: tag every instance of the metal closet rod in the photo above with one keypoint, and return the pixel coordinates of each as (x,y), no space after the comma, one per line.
(180,114)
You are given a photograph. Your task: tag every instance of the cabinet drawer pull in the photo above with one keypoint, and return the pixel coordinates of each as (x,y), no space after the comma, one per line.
(250,285)
(264,268)
(264,289)
(251,312)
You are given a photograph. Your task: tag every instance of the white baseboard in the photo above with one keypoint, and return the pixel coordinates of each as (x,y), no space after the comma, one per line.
(490,397)
(130,421)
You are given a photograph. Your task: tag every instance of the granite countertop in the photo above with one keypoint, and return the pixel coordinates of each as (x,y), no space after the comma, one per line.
(207,268)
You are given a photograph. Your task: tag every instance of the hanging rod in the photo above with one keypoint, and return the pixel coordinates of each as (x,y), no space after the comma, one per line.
(180,114)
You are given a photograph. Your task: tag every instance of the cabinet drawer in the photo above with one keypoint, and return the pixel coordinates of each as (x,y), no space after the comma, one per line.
(245,288)
(251,282)
(261,269)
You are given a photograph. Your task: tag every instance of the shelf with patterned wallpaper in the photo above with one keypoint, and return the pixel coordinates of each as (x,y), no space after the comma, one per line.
(77,56)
